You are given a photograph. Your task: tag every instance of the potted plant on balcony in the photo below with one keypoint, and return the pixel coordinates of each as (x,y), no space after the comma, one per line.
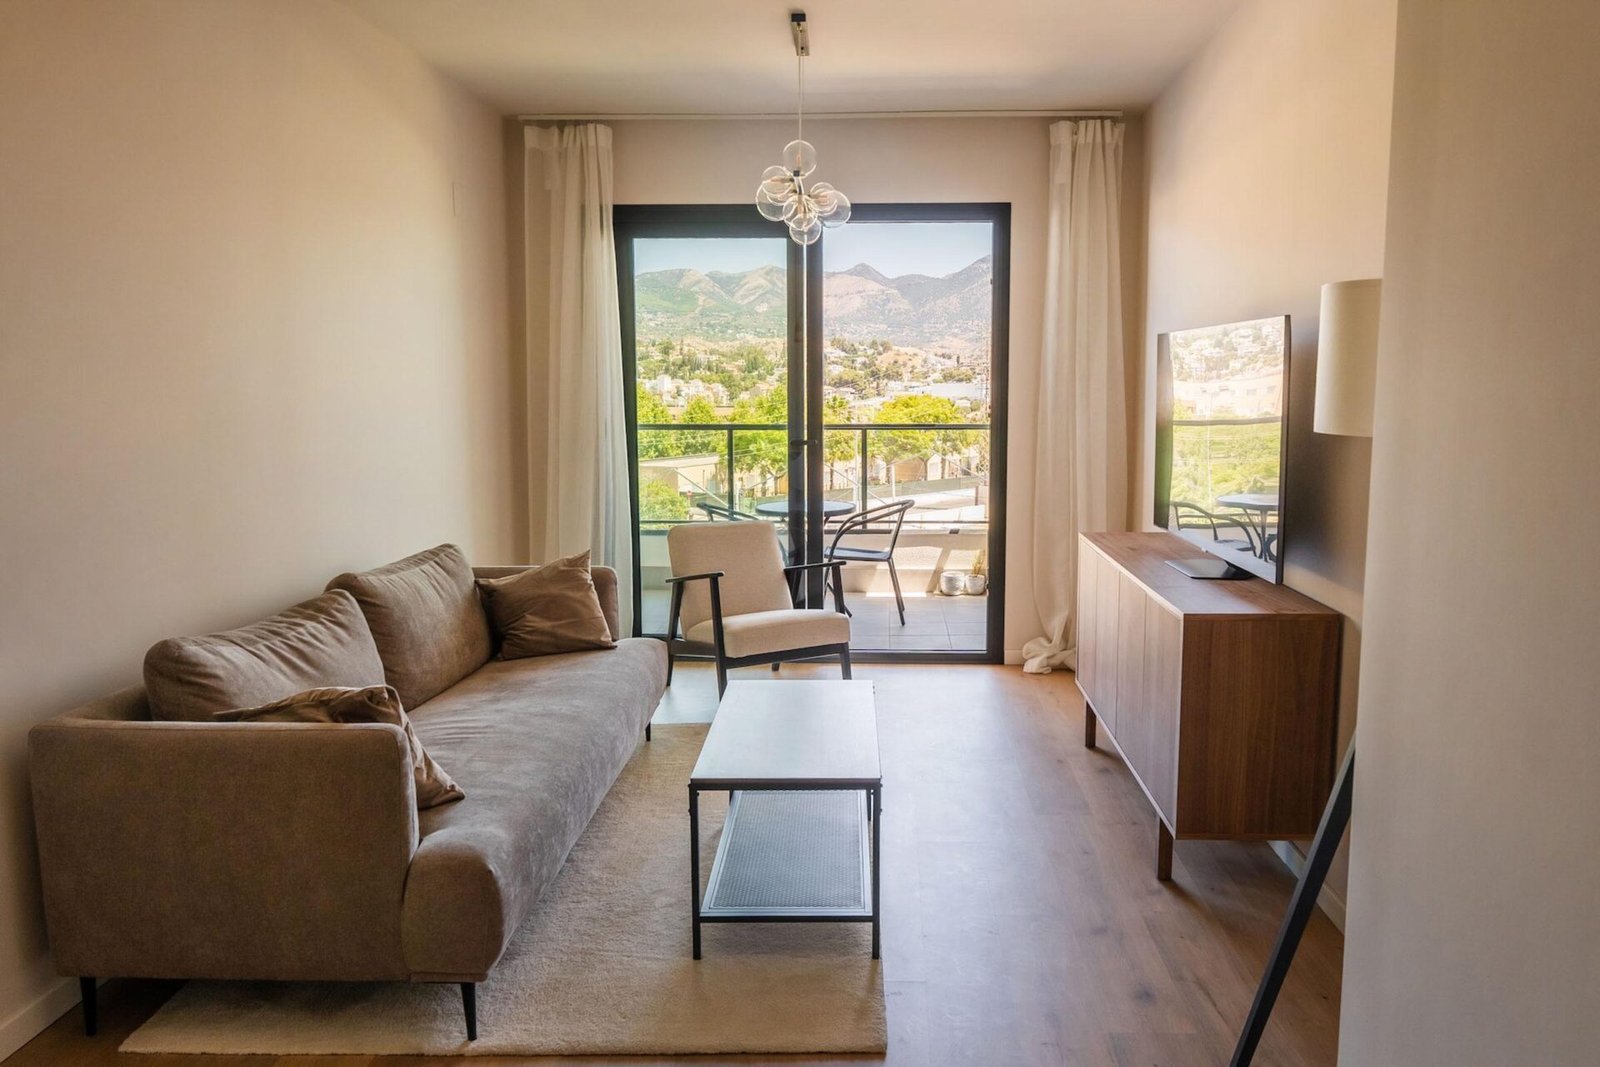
(977,580)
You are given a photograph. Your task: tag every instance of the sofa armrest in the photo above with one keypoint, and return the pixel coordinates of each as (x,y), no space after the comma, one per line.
(605,586)
(223,850)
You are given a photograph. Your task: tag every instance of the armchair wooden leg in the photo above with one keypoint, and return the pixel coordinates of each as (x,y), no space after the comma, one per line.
(672,627)
(844,660)
(722,678)
(469,1004)
(775,666)
(647,731)
(91,1014)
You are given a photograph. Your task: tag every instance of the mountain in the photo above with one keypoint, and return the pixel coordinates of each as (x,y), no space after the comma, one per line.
(860,304)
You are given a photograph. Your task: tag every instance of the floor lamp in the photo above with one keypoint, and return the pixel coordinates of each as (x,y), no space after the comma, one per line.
(1335,817)
(1347,351)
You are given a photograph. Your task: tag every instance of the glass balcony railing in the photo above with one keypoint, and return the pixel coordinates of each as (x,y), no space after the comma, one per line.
(707,472)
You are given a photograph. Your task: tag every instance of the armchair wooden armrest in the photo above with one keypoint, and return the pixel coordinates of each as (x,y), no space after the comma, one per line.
(679,580)
(836,580)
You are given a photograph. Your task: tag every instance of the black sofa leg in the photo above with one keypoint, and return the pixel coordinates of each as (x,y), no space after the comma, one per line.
(91,1014)
(647,731)
(469,1004)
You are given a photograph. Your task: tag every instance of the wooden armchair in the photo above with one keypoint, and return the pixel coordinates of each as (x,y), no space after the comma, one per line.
(735,600)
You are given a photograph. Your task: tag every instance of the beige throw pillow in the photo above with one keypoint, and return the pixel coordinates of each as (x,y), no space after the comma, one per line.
(375,703)
(547,609)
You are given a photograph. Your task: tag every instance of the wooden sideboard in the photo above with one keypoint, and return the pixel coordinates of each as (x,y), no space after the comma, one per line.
(1222,696)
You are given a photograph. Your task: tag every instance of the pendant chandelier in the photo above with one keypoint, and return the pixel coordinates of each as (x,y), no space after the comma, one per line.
(785,194)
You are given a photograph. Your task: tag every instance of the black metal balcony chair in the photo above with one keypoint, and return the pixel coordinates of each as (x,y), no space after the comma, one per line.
(860,523)
(1186,516)
(723,511)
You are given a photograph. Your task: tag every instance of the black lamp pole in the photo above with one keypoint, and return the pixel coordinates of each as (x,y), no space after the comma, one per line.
(1335,817)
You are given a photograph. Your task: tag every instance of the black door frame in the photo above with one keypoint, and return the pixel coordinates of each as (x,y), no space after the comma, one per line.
(806,378)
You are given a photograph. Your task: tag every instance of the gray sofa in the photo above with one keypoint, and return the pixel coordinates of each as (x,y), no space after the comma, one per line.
(276,851)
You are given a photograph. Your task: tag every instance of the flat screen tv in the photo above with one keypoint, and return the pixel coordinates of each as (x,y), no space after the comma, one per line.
(1222,395)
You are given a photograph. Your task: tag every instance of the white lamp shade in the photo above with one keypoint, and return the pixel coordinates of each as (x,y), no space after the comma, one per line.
(1347,357)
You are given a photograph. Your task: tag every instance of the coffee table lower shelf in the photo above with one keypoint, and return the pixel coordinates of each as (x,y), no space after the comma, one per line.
(791,855)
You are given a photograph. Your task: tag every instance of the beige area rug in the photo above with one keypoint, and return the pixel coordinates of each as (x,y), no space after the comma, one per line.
(602,966)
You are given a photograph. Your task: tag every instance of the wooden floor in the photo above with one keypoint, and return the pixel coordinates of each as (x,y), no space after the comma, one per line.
(1022,920)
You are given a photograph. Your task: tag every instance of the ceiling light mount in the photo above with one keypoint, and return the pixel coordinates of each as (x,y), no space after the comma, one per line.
(783,195)
(797,30)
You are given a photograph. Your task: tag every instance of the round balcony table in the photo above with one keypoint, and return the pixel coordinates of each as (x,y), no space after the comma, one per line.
(779,509)
(1259,507)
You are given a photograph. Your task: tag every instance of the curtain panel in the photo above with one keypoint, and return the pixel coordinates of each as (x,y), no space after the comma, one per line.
(1081,463)
(577,402)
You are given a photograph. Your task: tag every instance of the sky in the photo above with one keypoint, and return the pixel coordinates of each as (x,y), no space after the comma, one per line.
(895,248)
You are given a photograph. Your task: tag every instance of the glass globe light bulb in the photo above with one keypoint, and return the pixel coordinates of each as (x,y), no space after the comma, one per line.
(771,207)
(777,182)
(806,234)
(800,158)
(839,212)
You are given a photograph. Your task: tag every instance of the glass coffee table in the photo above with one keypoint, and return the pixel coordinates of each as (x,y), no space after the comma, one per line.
(799,761)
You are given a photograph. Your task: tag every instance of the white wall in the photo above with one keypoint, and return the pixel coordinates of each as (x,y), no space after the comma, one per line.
(1268,169)
(898,161)
(253,331)
(1474,909)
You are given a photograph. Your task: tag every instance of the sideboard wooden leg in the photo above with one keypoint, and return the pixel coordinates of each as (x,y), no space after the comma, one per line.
(1088,725)
(1163,851)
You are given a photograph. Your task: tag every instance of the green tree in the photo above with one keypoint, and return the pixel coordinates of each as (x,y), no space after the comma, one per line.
(658,500)
(765,451)
(898,445)
(648,408)
(698,442)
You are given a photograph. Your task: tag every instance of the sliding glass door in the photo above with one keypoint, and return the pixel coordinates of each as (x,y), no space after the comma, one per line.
(877,434)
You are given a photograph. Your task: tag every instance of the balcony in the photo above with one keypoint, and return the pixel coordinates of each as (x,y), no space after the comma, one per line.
(712,472)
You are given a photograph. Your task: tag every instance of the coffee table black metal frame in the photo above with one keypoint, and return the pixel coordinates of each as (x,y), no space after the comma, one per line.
(873,788)
(776,737)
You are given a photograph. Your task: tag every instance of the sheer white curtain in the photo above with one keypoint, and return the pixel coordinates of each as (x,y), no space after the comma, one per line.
(579,402)
(1081,466)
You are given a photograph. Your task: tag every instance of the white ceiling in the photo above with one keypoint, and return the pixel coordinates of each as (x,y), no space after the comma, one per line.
(734,56)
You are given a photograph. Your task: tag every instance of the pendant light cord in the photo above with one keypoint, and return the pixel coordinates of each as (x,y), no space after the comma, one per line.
(800,112)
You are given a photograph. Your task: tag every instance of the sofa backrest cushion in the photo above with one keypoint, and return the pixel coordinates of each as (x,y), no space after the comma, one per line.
(426,619)
(324,641)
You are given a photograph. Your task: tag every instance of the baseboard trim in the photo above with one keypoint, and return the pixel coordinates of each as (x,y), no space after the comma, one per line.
(1014,656)
(1331,903)
(34,1017)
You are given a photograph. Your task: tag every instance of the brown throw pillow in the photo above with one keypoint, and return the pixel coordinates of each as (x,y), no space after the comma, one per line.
(375,703)
(547,609)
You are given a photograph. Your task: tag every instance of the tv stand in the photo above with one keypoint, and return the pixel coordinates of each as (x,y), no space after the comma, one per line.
(1220,696)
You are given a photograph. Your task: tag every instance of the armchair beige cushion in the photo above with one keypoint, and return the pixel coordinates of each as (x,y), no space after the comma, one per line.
(752,564)
(761,632)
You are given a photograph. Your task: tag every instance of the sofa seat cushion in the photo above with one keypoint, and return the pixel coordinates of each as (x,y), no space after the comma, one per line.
(323,641)
(761,632)
(535,744)
(426,620)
